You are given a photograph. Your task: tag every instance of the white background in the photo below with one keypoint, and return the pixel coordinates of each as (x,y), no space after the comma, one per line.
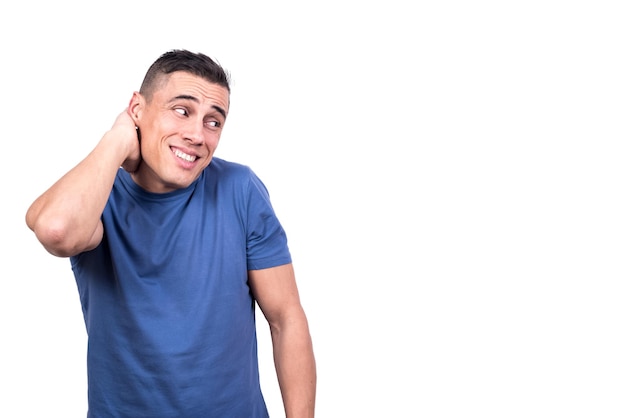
(450,174)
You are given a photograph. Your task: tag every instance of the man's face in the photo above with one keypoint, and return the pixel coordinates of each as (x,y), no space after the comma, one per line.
(180,129)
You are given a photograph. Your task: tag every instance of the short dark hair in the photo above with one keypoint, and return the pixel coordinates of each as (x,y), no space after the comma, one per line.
(194,63)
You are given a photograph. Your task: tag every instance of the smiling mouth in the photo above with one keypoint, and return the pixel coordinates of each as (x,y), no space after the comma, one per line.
(186,157)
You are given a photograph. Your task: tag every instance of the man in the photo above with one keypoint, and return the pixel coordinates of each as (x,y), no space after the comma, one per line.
(171,248)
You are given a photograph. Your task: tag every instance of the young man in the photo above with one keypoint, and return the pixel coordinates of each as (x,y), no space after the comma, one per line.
(171,248)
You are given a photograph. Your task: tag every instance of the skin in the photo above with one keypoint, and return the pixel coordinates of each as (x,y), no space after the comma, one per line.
(180,128)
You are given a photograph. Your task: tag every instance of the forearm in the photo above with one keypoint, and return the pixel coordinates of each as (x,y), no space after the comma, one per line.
(66,217)
(296,369)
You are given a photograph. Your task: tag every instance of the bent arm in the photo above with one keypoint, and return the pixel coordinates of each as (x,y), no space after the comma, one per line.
(276,293)
(66,217)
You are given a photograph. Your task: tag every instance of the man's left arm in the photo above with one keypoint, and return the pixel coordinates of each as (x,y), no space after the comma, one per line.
(277,295)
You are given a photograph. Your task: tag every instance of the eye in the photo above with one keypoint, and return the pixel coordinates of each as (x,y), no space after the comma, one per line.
(181,111)
(213,123)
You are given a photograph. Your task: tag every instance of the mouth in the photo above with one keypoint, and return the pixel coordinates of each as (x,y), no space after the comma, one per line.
(184,156)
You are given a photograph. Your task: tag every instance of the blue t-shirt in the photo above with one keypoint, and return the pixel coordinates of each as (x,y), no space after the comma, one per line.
(169,315)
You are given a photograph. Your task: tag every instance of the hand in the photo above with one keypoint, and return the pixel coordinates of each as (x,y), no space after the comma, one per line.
(128,134)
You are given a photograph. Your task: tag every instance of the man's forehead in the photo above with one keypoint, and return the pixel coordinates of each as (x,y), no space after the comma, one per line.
(183,78)
(181,85)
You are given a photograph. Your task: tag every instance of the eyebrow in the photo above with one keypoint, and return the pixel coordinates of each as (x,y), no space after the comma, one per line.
(195,99)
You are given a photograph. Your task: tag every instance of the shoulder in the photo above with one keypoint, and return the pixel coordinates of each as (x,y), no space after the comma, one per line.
(233,175)
(236,176)
(229,168)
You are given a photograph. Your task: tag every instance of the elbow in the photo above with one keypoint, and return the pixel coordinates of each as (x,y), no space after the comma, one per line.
(56,238)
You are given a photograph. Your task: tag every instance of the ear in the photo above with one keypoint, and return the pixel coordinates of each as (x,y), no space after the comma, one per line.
(135,106)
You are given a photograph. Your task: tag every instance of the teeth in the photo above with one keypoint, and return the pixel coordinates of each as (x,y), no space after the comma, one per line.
(184,156)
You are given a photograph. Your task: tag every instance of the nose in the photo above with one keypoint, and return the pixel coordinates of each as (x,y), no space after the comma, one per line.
(194,131)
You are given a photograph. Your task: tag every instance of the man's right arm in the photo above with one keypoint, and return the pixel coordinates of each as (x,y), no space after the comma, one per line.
(66,217)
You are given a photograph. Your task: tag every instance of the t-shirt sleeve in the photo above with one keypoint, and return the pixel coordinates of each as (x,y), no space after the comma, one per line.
(266,239)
